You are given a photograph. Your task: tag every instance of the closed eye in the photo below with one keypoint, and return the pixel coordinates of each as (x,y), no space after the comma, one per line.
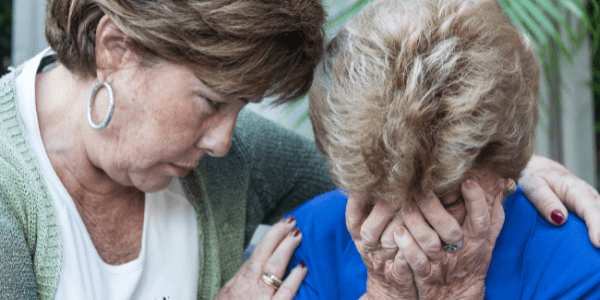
(214,104)
(453,203)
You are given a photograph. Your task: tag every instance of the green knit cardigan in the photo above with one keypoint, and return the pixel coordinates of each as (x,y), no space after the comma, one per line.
(267,172)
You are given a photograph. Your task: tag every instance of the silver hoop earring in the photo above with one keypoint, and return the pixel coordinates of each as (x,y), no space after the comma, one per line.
(111,107)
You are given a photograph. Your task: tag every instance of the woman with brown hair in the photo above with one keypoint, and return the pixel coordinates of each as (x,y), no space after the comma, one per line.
(130,95)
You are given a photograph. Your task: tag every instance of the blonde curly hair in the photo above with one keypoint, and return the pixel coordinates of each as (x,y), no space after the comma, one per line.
(241,48)
(412,93)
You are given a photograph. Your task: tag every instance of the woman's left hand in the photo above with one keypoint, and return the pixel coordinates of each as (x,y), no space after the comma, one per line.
(443,274)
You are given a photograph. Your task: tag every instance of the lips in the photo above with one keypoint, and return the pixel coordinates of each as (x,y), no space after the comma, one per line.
(181,170)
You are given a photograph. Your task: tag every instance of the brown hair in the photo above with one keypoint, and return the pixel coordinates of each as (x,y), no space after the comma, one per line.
(241,48)
(412,93)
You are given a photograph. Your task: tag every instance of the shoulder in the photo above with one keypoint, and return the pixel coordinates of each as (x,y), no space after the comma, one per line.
(256,136)
(324,242)
(531,256)
(322,223)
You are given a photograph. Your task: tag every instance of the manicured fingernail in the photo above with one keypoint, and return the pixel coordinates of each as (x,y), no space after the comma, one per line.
(557,217)
(289,219)
(302,265)
(295,232)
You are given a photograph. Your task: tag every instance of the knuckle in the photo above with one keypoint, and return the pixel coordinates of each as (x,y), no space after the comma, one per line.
(273,264)
(367,235)
(452,234)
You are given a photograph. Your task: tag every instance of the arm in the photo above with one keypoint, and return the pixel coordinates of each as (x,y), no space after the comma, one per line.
(287,169)
(16,266)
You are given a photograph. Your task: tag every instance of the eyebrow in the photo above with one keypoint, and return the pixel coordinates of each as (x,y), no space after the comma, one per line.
(247,100)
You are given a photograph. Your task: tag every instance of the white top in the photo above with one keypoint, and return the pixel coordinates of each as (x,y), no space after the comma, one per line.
(167,267)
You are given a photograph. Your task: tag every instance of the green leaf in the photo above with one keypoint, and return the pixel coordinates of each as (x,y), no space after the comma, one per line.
(528,22)
(344,16)
(575,7)
(290,109)
(305,117)
(549,7)
(541,19)
(596,87)
(596,73)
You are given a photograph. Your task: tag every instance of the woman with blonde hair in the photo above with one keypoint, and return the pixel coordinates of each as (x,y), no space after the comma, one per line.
(431,106)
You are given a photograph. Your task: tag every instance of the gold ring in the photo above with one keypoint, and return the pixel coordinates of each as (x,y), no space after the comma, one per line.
(368,249)
(511,187)
(271,280)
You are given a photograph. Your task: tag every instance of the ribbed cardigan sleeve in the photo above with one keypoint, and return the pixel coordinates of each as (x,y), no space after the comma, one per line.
(17,280)
(286,170)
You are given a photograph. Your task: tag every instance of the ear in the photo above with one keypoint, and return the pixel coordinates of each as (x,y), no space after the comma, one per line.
(113,49)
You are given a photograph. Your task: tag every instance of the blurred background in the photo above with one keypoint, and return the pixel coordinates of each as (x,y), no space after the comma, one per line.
(566,34)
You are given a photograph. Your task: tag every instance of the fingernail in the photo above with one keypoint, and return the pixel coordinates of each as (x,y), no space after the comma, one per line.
(557,217)
(399,231)
(295,232)
(302,265)
(469,183)
(289,219)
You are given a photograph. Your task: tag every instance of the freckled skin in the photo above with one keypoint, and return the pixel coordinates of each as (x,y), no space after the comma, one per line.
(160,129)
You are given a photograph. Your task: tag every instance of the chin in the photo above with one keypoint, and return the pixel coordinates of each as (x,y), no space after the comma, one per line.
(154,184)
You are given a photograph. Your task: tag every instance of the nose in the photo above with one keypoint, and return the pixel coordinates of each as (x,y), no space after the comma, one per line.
(216,140)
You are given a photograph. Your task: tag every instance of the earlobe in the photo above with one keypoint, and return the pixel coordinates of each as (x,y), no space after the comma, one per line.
(113,48)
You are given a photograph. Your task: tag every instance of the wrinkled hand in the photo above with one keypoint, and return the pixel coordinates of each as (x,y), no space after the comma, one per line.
(271,255)
(440,274)
(422,269)
(389,275)
(546,183)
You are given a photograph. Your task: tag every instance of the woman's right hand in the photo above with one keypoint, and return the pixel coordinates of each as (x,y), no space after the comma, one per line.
(271,255)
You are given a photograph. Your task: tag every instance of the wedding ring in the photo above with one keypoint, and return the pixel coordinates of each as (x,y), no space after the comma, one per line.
(368,249)
(271,280)
(452,247)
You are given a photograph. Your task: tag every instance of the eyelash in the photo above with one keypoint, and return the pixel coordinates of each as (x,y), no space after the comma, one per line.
(448,205)
(214,104)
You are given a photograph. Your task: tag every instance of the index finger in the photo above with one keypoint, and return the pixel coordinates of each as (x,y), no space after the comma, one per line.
(478,215)
(585,201)
(355,213)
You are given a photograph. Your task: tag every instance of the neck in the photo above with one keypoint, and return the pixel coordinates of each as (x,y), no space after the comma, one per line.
(70,143)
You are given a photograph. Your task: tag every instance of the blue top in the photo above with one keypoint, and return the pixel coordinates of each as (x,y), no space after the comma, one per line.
(532,259)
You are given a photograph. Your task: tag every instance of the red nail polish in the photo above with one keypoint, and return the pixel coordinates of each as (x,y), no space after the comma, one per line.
(289,219)
(296,232)
(557,217)
(302,265)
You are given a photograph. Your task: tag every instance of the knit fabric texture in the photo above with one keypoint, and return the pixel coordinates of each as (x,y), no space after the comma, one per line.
(268,171)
